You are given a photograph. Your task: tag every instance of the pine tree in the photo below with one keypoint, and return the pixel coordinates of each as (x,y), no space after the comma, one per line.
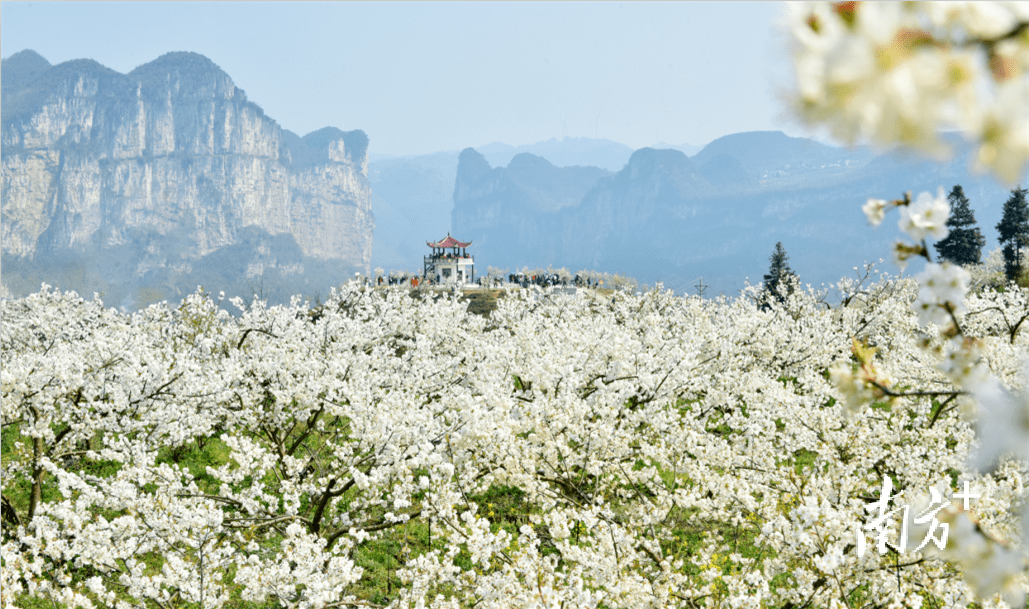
(964,244)
(1014,232)
(777,284)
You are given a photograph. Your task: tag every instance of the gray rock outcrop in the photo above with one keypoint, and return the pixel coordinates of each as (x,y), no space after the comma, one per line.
(148,179)
(513,211)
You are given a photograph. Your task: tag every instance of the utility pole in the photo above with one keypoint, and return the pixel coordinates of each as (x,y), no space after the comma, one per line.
(701,286)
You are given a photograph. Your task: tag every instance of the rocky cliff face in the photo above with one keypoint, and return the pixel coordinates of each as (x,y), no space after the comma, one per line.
(513,209)
(613,212)
(170,166)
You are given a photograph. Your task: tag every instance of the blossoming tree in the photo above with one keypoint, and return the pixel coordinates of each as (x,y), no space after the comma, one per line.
(574,451)
(900,73)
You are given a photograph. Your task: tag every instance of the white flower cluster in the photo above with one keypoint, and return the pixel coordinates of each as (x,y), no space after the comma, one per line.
(1003,415)
(942,293)
(620,423)
(926,217)
(900,72)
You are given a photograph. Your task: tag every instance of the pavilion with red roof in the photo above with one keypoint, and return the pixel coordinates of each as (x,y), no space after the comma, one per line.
(448,242)
(453,266)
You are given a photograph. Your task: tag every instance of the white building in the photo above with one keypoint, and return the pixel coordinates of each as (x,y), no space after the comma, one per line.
(453,266)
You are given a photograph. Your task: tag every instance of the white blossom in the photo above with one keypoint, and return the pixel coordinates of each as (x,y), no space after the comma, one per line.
(942,293)
(926,216)
(875,211)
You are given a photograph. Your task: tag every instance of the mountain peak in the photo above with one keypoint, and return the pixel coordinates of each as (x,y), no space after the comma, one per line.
(672,169)
(471,165)
(17,74)
(28,79)
(666,156)
(189,74)
(647,161)
(27,60)
(322,137)
(527,160)
(760,151)
(315,147)
(183,61)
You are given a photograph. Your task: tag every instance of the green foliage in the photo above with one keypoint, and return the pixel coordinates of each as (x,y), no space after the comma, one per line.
(776,284)
(965,242)
(1013,232)
(803,458)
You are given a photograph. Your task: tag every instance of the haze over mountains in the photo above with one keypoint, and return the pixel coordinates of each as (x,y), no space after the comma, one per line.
(664,216)
(414,195)
(143,185)
(563,152)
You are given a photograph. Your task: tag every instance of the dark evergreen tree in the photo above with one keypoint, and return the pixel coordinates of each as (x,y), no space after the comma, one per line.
(964,244)
(777,284)
(1014,232)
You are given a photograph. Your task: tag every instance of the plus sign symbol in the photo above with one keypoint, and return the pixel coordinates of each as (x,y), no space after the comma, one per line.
(966,495)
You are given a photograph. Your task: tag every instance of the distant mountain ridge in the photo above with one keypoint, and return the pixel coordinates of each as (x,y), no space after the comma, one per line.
(413,195)
(565,152)
(508,208)
(762,151)
(672,218)
(313,148)
(142,185)
(687,149)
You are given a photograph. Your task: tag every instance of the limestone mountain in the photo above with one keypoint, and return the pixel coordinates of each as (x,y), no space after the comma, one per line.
(666,217)
(726,171)
(413,196)
(685,148)
(143,185)
(511,210)
(775,160)
(651,184)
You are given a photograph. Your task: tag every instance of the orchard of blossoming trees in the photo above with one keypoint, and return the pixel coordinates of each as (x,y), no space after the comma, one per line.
(566,451)
(625,427)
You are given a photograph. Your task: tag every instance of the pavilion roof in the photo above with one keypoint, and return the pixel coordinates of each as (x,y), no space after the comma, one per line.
(448,242)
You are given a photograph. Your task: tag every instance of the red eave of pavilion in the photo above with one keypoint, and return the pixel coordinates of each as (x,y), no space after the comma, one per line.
(448,242)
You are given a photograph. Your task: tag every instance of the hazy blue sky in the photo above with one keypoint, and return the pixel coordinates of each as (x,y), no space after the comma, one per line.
(421,77)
